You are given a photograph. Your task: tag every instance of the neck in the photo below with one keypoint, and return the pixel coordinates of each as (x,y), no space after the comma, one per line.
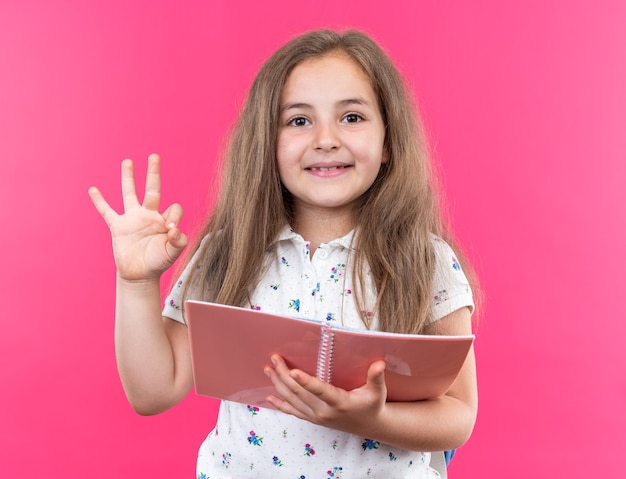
(322,227)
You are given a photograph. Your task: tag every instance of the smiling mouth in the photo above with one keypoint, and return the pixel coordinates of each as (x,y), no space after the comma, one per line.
(330,168)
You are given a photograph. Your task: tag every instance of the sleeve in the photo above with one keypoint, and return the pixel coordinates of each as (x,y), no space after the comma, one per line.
(451,289)
(173,303)
(173,307)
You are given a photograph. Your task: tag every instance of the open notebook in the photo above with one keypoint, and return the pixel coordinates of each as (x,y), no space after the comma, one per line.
(231,346)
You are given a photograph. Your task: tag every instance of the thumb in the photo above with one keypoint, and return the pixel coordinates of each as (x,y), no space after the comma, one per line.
(376,375)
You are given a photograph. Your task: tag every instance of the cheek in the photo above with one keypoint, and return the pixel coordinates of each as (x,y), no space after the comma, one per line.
(381,151)
(373,151)
(281,152)
(282,142)
(370,145)
(284,162)
(282,159)
(287,151)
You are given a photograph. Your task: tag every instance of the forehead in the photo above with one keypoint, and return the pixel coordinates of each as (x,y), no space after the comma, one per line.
(331,74)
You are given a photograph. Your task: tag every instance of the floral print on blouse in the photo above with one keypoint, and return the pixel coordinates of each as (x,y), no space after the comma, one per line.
(251,441)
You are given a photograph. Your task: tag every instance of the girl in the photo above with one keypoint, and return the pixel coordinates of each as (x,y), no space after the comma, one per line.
(327,211)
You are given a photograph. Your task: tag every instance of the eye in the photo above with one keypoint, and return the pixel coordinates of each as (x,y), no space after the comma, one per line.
(352,118)
(298,121)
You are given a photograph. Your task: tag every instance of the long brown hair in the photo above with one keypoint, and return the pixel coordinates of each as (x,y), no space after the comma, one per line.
(395,217)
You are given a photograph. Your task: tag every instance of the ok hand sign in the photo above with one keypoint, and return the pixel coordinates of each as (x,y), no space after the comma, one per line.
(145,242)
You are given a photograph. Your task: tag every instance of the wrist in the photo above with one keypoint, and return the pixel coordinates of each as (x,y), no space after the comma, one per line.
(138,285)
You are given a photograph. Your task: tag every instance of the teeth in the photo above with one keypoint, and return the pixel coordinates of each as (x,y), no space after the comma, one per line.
(325,169)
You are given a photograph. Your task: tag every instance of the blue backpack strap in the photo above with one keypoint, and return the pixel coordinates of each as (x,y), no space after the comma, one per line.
(448,455)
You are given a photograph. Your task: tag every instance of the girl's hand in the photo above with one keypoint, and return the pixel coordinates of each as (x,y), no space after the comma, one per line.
(145,242)
(306,397)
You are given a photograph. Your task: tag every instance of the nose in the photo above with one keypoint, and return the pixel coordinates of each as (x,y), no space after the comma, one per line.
(327,137)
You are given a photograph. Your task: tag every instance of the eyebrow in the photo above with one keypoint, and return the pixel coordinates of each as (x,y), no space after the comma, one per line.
(341,103)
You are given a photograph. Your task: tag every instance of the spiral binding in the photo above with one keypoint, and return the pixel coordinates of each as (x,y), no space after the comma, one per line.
(325,353)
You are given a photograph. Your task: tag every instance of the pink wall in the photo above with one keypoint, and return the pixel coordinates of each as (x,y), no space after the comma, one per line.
(526,105)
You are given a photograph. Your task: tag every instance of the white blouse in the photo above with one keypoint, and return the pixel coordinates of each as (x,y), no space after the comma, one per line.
(251,442)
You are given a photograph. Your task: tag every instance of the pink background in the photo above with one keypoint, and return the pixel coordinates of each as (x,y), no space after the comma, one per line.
(525,103)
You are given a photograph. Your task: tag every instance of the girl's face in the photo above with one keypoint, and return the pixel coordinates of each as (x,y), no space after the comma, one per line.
(331,135)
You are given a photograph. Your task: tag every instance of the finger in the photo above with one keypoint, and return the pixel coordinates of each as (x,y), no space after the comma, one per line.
(284,406)
(285,385)
(298,382)
(129,193)
(176,239)
(173,214)
(282,370)
(152,196)
(284,398)
(279,374)
(176,243)
(101,205)
(311,384)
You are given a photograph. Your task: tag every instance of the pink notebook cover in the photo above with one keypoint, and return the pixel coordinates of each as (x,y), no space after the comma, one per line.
(231,346)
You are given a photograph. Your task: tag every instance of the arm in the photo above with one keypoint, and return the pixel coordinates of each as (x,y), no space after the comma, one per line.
(433,425)
(152,352)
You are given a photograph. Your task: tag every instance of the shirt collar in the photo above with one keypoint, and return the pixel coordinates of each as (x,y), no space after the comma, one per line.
(287,234)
